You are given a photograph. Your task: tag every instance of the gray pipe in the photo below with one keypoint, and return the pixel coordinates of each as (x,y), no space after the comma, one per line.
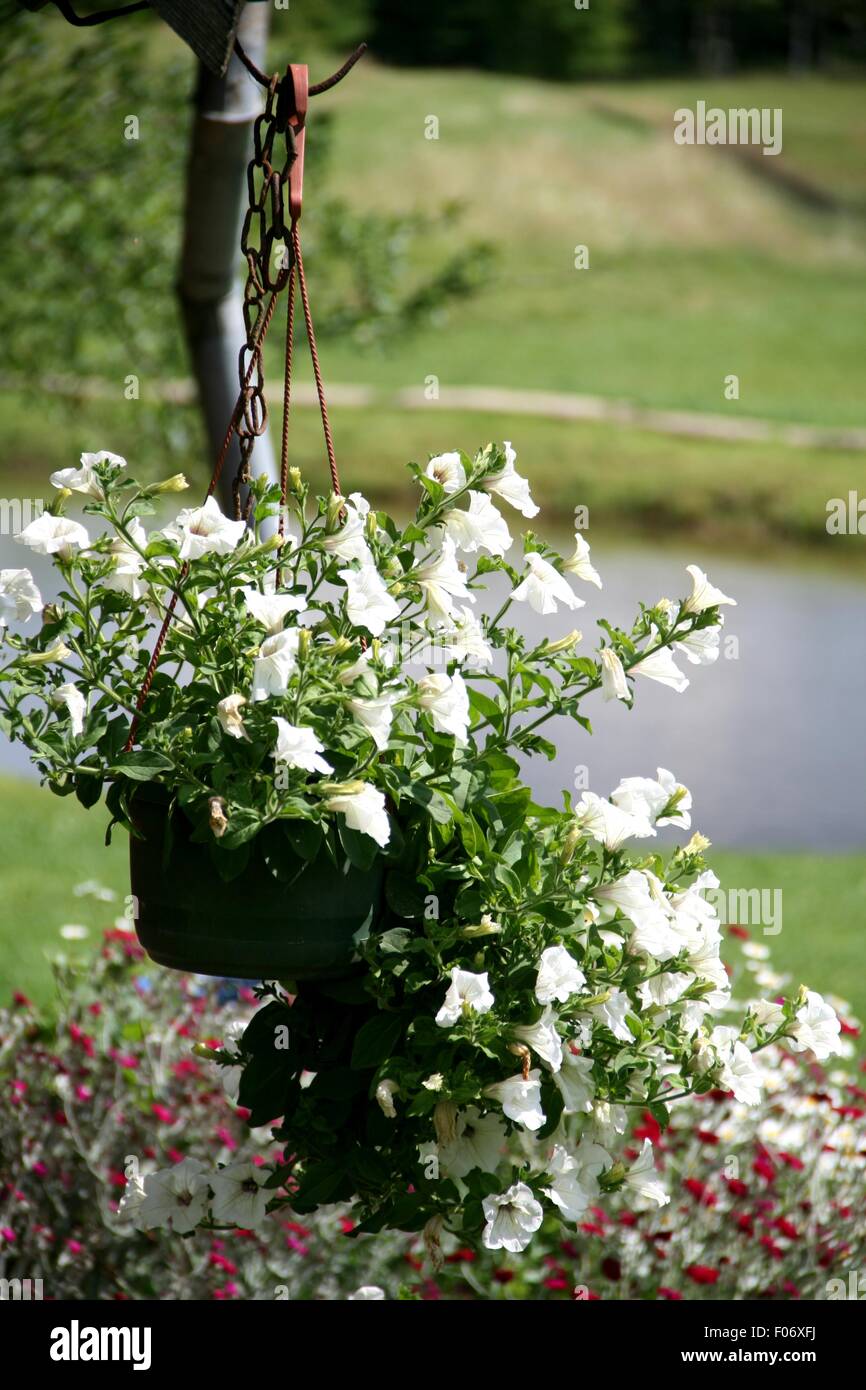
(209,288)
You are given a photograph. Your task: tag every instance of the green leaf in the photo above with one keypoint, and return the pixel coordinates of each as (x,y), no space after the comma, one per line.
(142,765)
(377,1039)
(88,789)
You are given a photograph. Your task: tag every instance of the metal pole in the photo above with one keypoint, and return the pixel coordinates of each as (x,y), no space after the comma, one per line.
(208,288)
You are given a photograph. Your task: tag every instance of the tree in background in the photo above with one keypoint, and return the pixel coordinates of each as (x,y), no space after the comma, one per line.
(93,145)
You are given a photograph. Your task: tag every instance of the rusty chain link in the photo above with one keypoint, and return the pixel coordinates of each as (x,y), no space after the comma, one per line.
(263,229)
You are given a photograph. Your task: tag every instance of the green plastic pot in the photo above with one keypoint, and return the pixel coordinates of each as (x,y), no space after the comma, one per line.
(303,925)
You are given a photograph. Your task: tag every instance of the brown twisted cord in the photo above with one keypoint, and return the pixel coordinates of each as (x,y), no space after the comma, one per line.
(317,370)
(287,395)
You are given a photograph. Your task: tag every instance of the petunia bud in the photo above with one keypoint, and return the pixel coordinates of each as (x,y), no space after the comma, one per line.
(486,927)
(176,483)
(339,788)
(336,506)
(563,644)
(304,639)
(57,652)
(295,483)
(567,851)
(697,844)
(432,1241)
(58,501)
(219,821)
(445,1122)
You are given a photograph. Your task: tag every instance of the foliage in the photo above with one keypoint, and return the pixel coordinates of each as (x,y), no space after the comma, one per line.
(122,1079)
(93,217)
(532,980)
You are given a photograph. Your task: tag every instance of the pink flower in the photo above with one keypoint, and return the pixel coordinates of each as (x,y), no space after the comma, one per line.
(162,1113)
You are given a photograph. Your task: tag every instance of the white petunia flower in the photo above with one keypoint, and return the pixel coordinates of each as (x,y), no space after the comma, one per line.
(543,1038)
(559,976)
(368,1293)
(509,485)
(768,1014)
(817,1028)
(205,530)
(84,479)
(175,1197)
(228,712)
(368,602)
(350,541)
(607,823)
(520,1099)
(612,1013)
(270,609)
(239,1195)
(543,585)
(446,700)
(512,1219)
(462,639)
(614,685)
(647,799)
(365,811)
(482,527)
(575,1082)
(127,561)
(275,664)
(448,470)
(54,535)
(479,1142)
(297,746)
(701,648)
(579,565)
(643,1179)
(19,597)
(467,993)
(575,1177)
(376,716)
(704,595)
(441,581)
(738,1072)
(76,706)
(660,666)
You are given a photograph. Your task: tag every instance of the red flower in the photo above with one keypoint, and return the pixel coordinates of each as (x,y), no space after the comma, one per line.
(739,932)
(737,1187)
(463,1256)
(700,1192)
(706,1136)
(702,1274)
(503,1276)
(649,1128)
(763,1167)
(785,1228)
(556,1285)
(669,1293)
(611,1268)
(770,1245)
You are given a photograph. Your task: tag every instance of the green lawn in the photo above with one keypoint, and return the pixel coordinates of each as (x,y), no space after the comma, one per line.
(52,844)
(742,497)
(699,266)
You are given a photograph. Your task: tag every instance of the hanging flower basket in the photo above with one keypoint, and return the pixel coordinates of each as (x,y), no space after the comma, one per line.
(314,738)
(283,917)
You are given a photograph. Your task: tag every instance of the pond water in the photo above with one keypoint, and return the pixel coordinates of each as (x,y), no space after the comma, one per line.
(770,741)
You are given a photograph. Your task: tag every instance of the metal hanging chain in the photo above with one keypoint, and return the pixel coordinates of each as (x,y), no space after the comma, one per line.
(284,114)
(84,21)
